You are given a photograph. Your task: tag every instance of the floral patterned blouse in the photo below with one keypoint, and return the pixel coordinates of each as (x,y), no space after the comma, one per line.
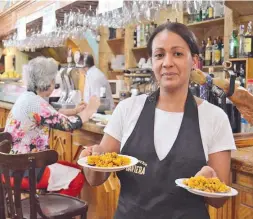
(29,122)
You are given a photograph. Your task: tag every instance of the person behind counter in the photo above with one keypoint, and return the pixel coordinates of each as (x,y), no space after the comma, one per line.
(172,133)
(29,122)
(95,80)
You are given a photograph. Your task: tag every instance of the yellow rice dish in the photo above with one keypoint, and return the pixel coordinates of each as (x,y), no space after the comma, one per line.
(108,160)
(206,184)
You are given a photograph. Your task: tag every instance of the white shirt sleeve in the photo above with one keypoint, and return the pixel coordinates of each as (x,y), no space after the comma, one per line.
(222,138)
(86,95)
(115,125)
(94,87)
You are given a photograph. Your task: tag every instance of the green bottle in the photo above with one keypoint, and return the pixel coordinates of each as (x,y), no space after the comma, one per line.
(233,45)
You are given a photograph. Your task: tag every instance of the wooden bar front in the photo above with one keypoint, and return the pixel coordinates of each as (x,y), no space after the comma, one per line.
(103,199)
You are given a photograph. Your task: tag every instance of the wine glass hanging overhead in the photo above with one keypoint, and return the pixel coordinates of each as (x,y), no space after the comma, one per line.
(77,22)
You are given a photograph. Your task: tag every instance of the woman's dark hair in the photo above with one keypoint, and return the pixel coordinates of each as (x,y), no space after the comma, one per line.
(179,29)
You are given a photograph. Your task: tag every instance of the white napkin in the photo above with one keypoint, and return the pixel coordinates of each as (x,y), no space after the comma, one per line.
(61,176)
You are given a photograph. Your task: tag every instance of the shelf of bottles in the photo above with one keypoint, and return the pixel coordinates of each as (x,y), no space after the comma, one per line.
(240,52)
(211,53)
(141,35)
(207,14)
(241,42)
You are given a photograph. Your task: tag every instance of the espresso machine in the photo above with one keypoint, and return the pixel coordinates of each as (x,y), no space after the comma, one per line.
(65,94)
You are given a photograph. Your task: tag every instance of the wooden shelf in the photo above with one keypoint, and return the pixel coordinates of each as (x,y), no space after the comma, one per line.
(207,23)
(116,40)
(140,52)
(239,59)
(213,66)
(139,48)
(117,45)
(243,8)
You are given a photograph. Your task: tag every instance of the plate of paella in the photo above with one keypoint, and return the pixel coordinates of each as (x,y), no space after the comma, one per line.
(108,162)
(207,187)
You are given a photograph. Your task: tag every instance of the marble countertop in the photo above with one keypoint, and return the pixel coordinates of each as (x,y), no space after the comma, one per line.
(242,159)
(89,126)
(6,105)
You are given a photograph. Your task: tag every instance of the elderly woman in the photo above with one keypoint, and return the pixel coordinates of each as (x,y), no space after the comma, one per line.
(32,117)
(172,133)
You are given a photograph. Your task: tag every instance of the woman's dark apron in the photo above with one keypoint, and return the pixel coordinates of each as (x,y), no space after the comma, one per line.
(148,190)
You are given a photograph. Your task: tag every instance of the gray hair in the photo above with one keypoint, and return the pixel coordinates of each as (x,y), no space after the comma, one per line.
(39,73)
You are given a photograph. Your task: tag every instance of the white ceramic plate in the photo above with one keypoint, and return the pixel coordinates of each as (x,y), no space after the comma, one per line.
(96,119)
(100,124)
(232,192)
(83,162)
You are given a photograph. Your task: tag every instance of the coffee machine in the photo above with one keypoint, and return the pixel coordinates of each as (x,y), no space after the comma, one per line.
(65,94)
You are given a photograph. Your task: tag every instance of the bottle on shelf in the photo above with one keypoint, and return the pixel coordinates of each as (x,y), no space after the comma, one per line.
(242,75)
(250,85)
(216,53)
(142,38)
(245,127)
(135,37)
(204,13)
(203,49)
(222,51)
(241,41)
(217,10)
(248,41)
(208,52)
(233,45)
(210,12)
(146,34)
(138,29)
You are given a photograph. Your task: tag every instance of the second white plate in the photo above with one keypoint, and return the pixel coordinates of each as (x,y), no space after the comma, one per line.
(232,192)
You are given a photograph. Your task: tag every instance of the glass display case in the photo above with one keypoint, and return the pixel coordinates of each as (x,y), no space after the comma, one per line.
(10,91)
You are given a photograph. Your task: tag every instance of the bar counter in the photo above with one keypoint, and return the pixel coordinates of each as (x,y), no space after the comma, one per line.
(103,199)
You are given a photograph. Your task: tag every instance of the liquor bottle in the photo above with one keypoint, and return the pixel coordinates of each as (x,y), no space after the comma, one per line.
(241,41)
(216,53)
(217,10)
(233,45)
(204,13)
(203,49)
(208,53)
(242,75)
(222,51)
(135,37)
(142,35)
(210,12)
(248,41)
(138,35)
(199,16)
(146,34)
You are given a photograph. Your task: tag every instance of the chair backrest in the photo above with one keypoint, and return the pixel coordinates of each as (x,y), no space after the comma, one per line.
(18,164)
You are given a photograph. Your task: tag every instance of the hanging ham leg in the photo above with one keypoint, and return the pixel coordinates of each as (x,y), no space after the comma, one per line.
(241,98)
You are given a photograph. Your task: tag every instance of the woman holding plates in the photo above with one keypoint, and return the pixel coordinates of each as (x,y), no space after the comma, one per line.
(172,133)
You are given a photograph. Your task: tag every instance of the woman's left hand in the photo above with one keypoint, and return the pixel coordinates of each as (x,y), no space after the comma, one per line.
(207,172)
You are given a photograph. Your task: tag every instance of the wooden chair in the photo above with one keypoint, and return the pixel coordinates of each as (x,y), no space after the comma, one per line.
(47,206)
